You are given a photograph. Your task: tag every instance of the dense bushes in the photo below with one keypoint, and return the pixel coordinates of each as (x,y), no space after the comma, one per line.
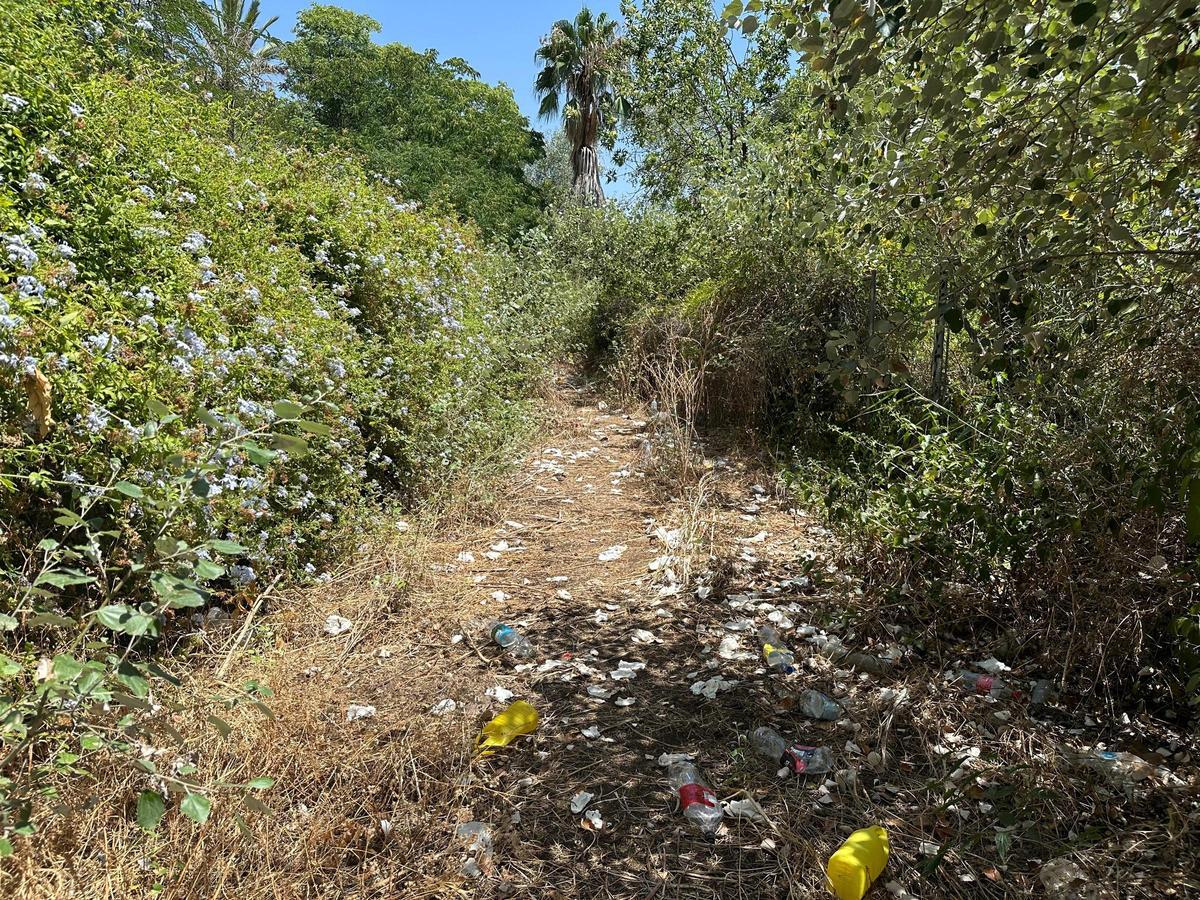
(217,351)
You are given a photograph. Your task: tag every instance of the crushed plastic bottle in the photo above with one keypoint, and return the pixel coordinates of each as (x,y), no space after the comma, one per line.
(508,638)
(779,658)
(833,649)
(697,800)
(1118,767)
(799,759)
(985,684)
(816,705)
(858,862)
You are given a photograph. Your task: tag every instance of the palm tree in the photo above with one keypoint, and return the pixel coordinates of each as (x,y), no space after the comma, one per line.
(238,50)
(580,59)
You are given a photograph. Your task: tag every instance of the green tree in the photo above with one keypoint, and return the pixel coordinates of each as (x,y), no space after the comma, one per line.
(237,49)
(699,96)
(581,59)
(432,126)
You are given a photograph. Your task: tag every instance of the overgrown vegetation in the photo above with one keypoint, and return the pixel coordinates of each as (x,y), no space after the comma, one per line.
(950,259)
(221,354)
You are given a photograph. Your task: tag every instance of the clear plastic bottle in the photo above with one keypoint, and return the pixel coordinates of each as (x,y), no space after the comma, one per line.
(696,799)
(779,658)
(984,684)
(816,705)
(801,760)
(1118,767)
(508,638)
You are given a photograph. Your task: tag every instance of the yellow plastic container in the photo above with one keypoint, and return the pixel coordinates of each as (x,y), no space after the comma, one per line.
(520,718)
(857,863)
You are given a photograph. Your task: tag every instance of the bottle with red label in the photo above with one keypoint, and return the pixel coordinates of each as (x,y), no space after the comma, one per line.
(796,758)
(697,800)
(985,684)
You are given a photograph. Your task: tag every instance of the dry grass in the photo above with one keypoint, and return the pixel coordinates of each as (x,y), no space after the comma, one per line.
(587,489)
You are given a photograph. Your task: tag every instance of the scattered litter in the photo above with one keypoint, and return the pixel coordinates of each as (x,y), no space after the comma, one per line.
(767,844)
(626,670)
(336,625)
(757,539)
(668,759)
(591,732)
(466,557)
(499,596)
(642,636)
(563,594)
(594,690)
(612,553)
(993,666)
(402,526)
(600,617)
(477,836)
(580,801)
(456,639)
(508,638)
(746,808)
(697,801)
(731,648)
(858,862)
(356,711)
(471,869)
(385,827)
(519,719)
(713,686)
(592,821)
(1063,877)
(624,701)
(384,653)
(499,694)
(442,707)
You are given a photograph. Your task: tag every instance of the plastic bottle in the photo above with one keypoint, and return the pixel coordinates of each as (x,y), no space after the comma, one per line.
(779,658)
(1118,767)
(696,799)
(984,684)
(857,863)
(816,705)
(510,639)
(801,760)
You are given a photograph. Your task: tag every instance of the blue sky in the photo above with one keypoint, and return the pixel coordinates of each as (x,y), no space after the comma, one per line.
(497,38)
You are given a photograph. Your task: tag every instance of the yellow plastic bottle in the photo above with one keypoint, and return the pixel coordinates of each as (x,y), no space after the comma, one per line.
(857,863)
(520,718)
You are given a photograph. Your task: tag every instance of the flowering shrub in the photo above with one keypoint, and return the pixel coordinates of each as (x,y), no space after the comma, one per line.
(216,351)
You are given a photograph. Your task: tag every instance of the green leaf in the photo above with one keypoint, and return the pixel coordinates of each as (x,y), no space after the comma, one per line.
(67,667)
(229,548)
(8,667)
(137,683)
(196,807)
(129,490)
(290,444)
(208,418)
(151,807)
(207,570)
(7,622)
(1083,12)
(6,848)
(262,783)
(158,409)
(223,728)
(286,409)
(53,619)
(64,578)
(315,427)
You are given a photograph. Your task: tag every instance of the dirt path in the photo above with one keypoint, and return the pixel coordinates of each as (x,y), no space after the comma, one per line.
(973,791)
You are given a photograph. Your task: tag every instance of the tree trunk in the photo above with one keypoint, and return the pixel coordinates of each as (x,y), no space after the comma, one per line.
(587,176)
